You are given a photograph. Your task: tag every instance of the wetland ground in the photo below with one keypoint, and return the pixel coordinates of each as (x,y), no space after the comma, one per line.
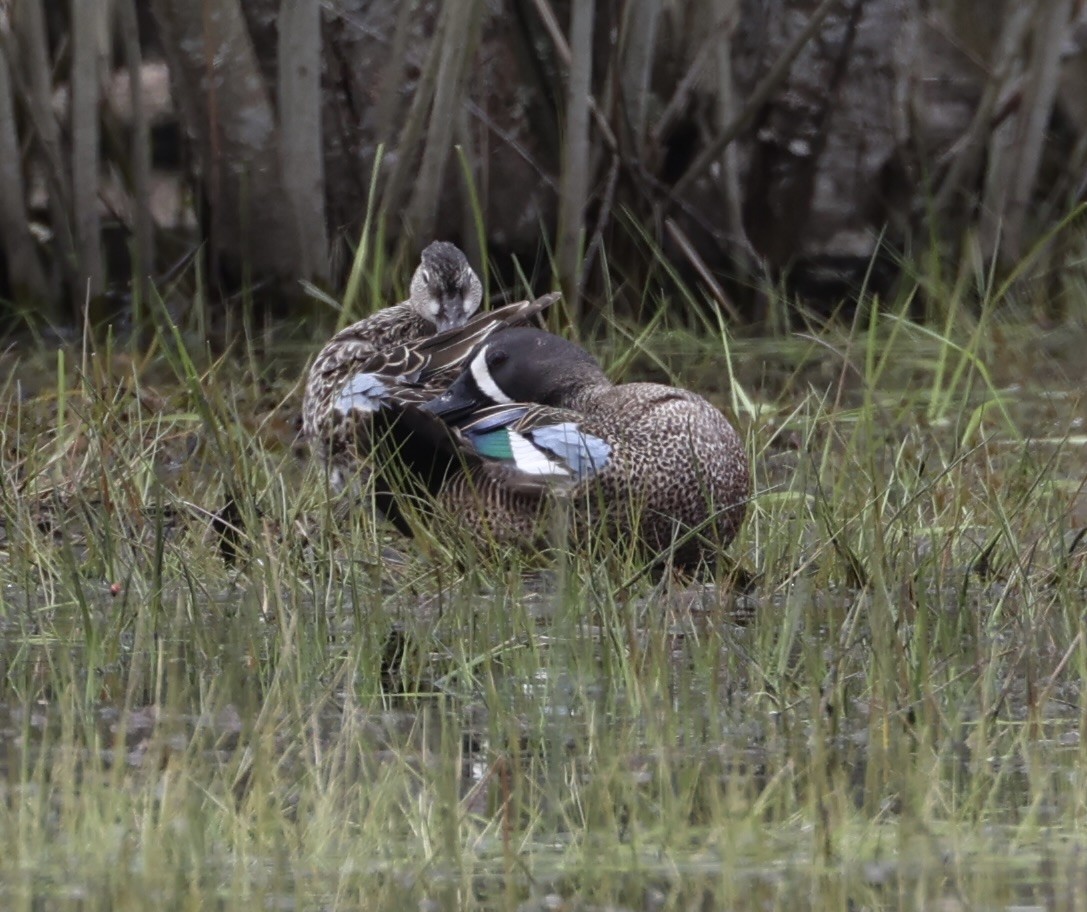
(882,708)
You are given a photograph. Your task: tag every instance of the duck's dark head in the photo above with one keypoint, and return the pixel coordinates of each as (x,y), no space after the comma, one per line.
(445,289)
(522,364)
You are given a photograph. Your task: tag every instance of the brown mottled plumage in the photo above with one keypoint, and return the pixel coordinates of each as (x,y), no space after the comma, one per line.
(640,460)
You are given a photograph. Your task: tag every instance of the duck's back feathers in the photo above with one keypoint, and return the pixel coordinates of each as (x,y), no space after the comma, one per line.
(443,355)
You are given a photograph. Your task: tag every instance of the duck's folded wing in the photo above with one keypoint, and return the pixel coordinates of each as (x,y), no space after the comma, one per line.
(584,454)
(535,448)
(366,392)
(362,392)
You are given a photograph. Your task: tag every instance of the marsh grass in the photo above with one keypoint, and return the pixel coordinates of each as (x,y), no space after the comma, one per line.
(887,715)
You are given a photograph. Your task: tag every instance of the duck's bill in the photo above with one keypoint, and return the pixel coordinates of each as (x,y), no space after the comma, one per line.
(454,403)
(451,314)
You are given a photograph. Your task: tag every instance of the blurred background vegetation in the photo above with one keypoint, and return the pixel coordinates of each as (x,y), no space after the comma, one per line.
(820,147)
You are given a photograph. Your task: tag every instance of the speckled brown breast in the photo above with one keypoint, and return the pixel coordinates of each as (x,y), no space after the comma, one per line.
(677,465)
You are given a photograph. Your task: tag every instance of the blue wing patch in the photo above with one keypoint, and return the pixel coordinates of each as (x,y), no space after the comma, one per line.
(584,454)
(362,393)
(516,450)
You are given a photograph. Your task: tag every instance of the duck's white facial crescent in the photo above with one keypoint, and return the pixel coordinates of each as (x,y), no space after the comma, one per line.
(482,376)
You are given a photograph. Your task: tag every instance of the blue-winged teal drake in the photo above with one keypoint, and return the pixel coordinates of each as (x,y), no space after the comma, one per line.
(408,352)
(532,420)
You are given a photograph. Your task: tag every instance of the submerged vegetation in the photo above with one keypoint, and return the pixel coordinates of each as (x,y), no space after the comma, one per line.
(221,690)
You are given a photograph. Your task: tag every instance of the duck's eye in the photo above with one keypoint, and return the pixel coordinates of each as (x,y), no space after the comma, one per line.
(425,276)
(497,358)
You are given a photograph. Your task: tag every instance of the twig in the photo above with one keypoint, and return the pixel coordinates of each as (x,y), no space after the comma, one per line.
(413,125)
(25,272)
(34,83)
(966,152)
(85,153)
(455,47)
(678,101)
(1039,96)
(484,118)
(637,44)
(393,74)
(603,217)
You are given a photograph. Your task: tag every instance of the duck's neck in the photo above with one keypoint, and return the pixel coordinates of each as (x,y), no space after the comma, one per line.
(582,397)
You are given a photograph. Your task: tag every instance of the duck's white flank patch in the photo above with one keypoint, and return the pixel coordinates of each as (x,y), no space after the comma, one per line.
(485,381)
(531,460)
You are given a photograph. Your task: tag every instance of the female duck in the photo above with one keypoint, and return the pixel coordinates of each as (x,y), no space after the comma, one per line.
(445,292)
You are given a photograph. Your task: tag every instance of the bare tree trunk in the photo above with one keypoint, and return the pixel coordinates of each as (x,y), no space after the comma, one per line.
(301,152)
(639,37)
(967,156)
(27,277)
(392,75)
(728,111)
(85,34)
(140,153)
(821,130)
(574,177)
(414,123)
(224,101)
(1017,144)
(37,90)
(456,27)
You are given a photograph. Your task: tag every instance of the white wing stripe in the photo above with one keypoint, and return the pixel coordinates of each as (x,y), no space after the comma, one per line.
(531,460)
